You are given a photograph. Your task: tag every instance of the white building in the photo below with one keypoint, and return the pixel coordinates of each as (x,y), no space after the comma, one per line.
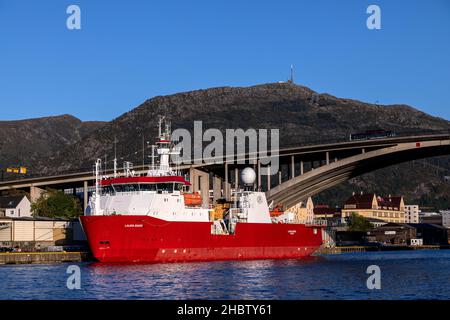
(445,218)
(15,207)
(412,213)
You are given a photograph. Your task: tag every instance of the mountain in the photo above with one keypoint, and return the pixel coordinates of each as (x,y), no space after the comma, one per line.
(302,115)
(27,142)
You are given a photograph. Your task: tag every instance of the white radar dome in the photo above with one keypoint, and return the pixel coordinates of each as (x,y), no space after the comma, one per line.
(248,176)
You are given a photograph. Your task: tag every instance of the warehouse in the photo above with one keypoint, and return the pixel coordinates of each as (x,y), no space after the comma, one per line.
(403,233)
(392,233)
(39,233)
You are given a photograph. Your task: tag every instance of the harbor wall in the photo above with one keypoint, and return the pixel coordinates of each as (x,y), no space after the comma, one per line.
(42,257)
(353,249)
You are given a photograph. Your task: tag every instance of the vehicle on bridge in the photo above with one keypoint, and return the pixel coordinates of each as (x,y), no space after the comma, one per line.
(372,134)
(154,218)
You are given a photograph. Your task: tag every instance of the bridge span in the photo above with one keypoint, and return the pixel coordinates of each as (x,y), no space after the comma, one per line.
(304,170)
(333,173)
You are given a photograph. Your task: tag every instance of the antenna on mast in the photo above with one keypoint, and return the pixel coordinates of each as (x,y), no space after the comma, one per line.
(292,74)
(143,152)
(115,157)
(98,167)
(153,156)
(160,123)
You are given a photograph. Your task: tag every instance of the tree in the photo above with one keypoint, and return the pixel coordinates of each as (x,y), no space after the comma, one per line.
(358,223)
(56,204)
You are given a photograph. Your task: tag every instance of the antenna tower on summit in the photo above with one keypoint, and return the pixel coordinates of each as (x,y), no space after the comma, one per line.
(292,74)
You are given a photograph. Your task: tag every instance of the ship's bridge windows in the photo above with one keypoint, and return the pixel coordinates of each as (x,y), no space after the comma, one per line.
(135,187)
(126,187)
(107,190)
(165,187)
(147,187)
(178,187)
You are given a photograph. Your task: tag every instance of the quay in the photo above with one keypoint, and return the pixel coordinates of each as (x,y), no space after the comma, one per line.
(352,249)
(43,257)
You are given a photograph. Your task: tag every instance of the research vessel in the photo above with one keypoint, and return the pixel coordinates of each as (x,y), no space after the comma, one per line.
(154,217)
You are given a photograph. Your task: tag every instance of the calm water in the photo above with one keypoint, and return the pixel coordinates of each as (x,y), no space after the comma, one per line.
(404,275)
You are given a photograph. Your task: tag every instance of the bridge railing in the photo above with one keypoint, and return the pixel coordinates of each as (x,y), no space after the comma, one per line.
(345,137)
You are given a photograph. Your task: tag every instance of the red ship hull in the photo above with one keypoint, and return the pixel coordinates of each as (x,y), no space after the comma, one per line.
(147,239)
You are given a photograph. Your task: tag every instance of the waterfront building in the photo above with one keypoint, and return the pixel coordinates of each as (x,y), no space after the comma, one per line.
(405,233)
(39,233)
(431,218)
(323,211)
(389,209)
(303,212)
(412,212)
(377,222)
(392,233)
(432,234)
(15,206)
(445,218)
(350,238)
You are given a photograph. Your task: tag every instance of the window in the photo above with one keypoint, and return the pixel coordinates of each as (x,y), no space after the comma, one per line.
(165,187)
(107,190)
(131,187)
(19,212)
(126,187)
(148,187)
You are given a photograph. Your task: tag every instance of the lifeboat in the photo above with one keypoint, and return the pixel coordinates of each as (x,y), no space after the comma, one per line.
(192,199)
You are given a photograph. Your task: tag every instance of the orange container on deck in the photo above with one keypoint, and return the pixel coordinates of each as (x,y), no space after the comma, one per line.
(192,199)
(277,211)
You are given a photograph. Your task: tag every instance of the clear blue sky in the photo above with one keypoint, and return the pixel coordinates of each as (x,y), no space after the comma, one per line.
(129,51)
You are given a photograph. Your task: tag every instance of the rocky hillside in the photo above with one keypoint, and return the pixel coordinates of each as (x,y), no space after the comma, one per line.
(28,142)
(301,114)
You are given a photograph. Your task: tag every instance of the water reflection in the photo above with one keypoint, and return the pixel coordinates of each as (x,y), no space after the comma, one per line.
(408,275)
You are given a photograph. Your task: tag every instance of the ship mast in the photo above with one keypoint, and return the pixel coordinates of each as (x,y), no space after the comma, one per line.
(115,157)
(164,149)
(98,166)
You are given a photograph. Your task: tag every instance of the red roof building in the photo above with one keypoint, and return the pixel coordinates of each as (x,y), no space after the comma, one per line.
(390,208)
(324,211)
